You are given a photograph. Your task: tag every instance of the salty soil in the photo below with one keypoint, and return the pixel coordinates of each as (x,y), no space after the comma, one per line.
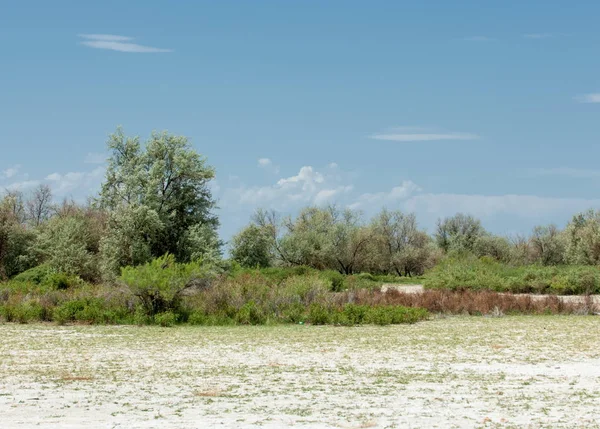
(509,372)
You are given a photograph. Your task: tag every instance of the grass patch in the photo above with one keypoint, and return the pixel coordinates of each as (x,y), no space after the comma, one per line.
(485,274)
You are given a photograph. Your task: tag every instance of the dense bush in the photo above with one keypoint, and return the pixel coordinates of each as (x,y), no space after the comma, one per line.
(45,275)
(160,283)
(488,274)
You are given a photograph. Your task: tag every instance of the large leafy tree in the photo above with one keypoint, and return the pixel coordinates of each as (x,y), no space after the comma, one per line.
(15,239)
(458,233)
(398,246)
(167,181)
(253,246)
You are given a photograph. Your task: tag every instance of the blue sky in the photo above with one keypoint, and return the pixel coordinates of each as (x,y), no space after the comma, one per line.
(436,107)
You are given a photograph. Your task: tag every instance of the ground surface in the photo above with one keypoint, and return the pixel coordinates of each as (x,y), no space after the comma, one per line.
(406,288)
(457,372)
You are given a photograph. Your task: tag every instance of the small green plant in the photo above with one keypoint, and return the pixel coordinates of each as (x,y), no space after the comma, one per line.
(165,319)
(318,314)
(250,314)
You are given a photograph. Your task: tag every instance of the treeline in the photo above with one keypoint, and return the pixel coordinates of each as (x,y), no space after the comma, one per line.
(155,200)
(392,243)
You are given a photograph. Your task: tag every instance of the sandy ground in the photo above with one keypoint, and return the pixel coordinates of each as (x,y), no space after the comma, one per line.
(419,289)
(463,372)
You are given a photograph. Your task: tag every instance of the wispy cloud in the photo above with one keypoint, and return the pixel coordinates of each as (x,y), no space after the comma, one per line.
(382,199)
(538,36)
(589,98)
(10,172)
(117,43)
(264,162)
(416,134)
(22,185)
(79,182)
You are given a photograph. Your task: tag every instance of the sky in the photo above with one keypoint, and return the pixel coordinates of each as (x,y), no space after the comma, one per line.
(433,107)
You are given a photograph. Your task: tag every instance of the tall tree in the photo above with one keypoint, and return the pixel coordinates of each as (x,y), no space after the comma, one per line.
(168,178)
(39,205)
(458,232)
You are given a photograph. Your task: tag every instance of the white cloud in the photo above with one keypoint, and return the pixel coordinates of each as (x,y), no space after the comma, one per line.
(11,171)
(416,134)
(326,195)
(264,162)
(589,98)
(527,206)
(81,183)
(538,36)
(307,187)
(23,185)
(381,199)
(117,43)
(95,158)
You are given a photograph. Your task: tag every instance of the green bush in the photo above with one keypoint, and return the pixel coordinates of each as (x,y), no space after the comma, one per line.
(25,312)
(355,314)
(250,314)
(36,275)
(159,283)
(486,274)
(318,314)
(165,319)
(336,279)
(43,275)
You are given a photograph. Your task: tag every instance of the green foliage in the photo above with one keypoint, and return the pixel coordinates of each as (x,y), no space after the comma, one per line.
(582,237)
(64,245)
(128,242)
(458,233)
(16,241)
(398,246)
(159,283)
(250,314)
(353,314)
(165,319)
(487,274)
(253,247)
(167,180)
(493,246)
(36,275)
(45,275)
(336,280)
(24,312)
(87,310)
(319,314)
(548,245)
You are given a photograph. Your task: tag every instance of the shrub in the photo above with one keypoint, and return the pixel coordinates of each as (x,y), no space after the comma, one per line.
(159,283)
(250,314)
(36,275)
(355,314)
(486,274)
(46,276)
(336,280)
(165,319)
(318,314)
